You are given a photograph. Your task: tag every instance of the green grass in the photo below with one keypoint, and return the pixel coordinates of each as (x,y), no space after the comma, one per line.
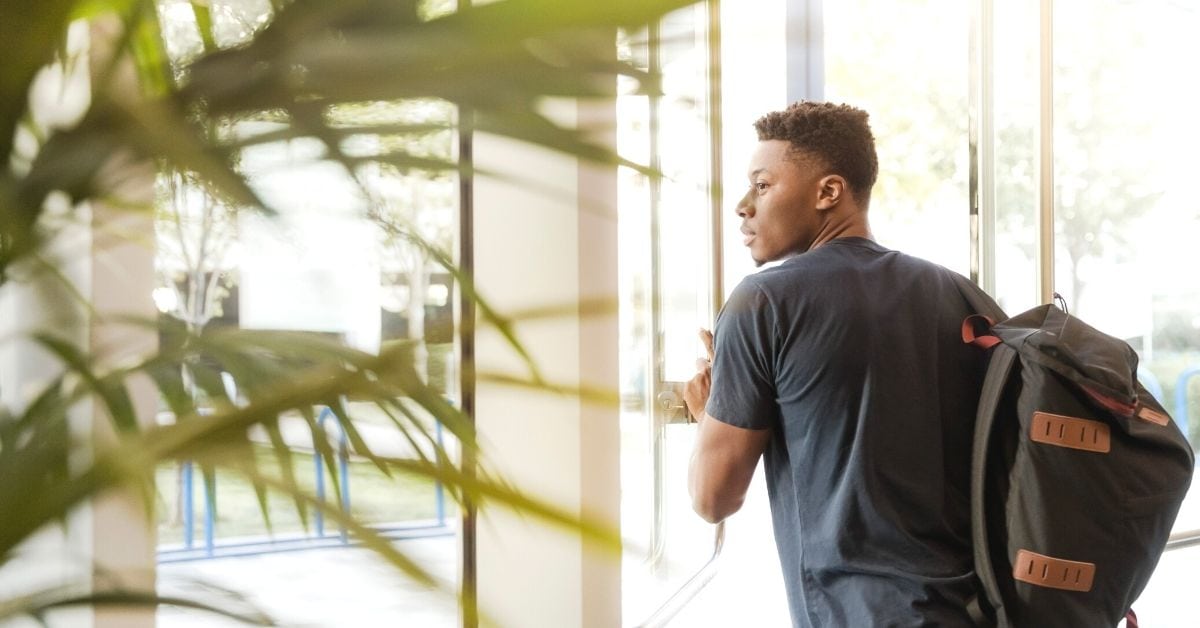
(1167,366)
(441,357)
(375,499)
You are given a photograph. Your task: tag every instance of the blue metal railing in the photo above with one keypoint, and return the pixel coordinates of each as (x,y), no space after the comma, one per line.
(1181,398)
(188,511)
(210,510)
(212,548)
(1150,381)
(343,460)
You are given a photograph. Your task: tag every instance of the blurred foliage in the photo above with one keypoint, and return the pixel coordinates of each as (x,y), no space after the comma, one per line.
(165,93)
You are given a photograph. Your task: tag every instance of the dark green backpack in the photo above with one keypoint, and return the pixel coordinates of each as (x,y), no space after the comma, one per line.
(1077,471)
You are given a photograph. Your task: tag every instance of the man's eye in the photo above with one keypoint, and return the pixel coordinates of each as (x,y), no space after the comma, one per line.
(760,186)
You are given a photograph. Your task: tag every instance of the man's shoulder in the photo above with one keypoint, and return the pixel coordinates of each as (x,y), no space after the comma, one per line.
(842,256)
(832,265)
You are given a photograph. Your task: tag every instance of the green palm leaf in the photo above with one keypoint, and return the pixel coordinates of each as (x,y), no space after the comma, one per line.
(500,61)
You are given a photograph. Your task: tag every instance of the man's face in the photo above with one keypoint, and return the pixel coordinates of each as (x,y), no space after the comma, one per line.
(779,212)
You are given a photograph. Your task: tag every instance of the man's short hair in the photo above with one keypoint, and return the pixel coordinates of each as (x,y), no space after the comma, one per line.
(837,135)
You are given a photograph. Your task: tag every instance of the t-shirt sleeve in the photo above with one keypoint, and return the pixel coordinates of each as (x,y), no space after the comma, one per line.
(743,371)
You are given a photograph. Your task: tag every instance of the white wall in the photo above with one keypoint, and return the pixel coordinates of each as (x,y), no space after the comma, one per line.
(539,248)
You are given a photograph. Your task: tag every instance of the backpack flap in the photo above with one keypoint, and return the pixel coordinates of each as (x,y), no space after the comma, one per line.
(1075,350)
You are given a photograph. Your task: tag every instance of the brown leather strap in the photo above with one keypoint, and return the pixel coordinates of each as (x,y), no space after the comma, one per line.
(1055,573)
(1153,416)
(1066,431)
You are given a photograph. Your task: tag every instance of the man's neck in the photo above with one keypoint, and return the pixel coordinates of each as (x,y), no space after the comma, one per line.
(846,225)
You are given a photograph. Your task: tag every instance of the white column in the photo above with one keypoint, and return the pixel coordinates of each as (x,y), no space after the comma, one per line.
(121,531)
(109,541)
(549,242)
(107,254)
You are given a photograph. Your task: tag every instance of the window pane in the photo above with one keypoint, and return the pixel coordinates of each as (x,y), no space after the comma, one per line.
(749,569)
(1015,110)
(684,150)
(1127,221)
(669,272)
(337,259)
(905,63)
(1126,216)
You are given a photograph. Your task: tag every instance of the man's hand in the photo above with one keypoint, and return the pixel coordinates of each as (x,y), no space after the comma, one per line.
(695,391)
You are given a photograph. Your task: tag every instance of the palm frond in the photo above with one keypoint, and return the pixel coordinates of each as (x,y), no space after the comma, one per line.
(501,61)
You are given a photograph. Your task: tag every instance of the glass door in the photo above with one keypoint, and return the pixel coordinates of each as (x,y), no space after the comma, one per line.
(666,269)
(672,269)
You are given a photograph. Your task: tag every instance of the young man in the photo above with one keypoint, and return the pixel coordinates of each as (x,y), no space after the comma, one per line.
(843,367)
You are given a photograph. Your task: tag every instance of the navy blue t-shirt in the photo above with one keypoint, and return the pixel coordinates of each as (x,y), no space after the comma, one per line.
(851,354)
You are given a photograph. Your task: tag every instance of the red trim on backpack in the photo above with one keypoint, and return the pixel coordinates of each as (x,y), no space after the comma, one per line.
(1119,407)
(971,334)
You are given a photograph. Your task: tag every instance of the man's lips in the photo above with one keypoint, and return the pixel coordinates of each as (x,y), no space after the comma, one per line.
(747,237)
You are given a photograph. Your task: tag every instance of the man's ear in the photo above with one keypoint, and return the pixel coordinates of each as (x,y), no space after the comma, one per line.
(830,190)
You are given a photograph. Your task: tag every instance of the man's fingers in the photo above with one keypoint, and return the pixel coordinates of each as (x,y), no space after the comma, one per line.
(695,391)
(695,394)
(707,338)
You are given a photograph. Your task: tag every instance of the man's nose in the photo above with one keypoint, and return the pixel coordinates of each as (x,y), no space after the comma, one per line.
(745,207)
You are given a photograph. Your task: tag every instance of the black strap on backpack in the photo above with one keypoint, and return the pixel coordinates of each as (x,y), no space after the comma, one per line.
(999,368)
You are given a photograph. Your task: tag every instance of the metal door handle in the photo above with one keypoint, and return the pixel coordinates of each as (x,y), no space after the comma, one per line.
(672,404)
(1180,540)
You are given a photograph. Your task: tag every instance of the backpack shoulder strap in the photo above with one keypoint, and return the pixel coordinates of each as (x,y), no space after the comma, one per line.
(994,383)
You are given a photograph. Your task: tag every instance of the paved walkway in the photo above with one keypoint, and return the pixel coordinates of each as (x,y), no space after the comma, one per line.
(321,588)
(351,588)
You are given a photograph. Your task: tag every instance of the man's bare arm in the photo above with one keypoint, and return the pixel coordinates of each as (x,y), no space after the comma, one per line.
(724,458)
(722,464)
